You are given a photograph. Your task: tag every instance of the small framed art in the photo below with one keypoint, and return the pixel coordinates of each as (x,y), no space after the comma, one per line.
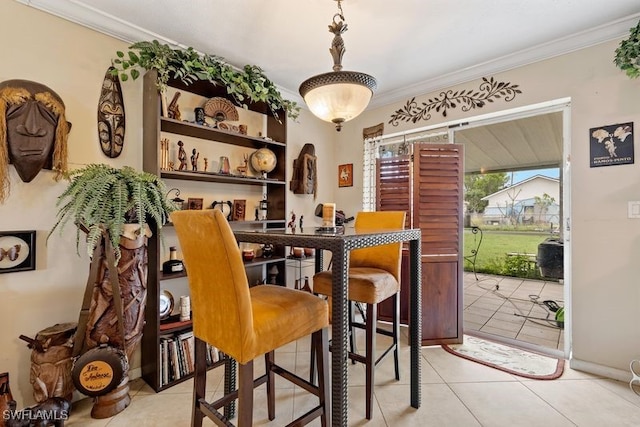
(239,210)
(345,175)
(17,251)
(194,203)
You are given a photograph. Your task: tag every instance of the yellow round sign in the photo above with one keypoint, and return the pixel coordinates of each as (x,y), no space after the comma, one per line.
(96,376)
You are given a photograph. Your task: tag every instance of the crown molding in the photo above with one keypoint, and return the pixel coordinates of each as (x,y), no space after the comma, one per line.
(97,20)
(574,42)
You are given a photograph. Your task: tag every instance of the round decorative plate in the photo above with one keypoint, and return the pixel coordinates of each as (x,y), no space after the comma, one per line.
(166,304)
(220,109)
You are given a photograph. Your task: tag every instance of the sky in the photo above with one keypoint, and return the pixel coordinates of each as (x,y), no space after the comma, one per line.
(522,175)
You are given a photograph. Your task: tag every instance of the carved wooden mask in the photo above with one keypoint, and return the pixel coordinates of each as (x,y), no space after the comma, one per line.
(34,127)
(111,120)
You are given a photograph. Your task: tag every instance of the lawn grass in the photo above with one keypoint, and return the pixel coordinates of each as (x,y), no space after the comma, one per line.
(492,258)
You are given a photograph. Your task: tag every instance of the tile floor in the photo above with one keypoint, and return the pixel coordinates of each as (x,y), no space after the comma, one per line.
(497,305)
(455,392)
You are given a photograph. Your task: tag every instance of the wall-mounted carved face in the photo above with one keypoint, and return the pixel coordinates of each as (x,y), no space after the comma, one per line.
(111,119)
(34,128)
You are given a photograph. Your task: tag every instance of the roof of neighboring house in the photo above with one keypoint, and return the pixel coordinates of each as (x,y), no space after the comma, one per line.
(520,184)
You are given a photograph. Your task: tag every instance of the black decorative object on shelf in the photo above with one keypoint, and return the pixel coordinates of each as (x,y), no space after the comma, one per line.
(223,207)
(468,99)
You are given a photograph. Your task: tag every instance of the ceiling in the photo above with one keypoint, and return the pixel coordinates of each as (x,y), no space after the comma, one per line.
(531,142)
(422,46)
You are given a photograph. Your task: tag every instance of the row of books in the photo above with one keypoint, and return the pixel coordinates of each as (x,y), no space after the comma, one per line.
(177,356)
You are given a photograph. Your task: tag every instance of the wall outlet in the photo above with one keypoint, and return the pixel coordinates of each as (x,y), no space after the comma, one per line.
(634,210)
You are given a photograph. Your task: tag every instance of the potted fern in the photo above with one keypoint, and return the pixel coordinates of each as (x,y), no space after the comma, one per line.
(628,53)
(117,208)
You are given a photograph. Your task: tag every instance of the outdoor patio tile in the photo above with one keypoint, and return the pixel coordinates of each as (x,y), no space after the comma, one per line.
(480,310)
(503,325)
(537,341)
(488,304)
(508,317)
(540,331)
(476,318)
(499,332)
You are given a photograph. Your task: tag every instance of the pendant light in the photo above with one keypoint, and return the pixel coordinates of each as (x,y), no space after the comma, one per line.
(338,96)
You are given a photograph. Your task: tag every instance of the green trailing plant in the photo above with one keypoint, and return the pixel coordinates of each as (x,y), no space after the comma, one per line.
(248,84)
(628,53)
(100,197)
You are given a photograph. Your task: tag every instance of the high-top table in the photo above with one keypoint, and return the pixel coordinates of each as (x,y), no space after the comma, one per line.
(340,244)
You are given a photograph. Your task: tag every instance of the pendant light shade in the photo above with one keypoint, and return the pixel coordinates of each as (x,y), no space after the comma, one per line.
(338,96)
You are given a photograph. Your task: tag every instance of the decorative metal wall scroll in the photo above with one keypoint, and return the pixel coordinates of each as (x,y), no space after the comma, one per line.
(468,99)
(111,122)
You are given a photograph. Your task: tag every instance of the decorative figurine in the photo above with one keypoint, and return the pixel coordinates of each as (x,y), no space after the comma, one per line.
(257,218)
(199,112)
(242,170)
(292,223)
(206,164)
(194,160)
(164,154)
(300,221)
(174,109)
(182,156)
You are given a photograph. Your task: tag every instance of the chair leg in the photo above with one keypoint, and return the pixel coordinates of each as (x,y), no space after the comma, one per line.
(320,340)
(245,394)
(372,317)
(396,333)
(199,381)
(271,396)
(352,331)
(312,363)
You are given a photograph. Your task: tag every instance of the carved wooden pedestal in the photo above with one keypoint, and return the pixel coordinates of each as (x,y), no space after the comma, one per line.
(102,323)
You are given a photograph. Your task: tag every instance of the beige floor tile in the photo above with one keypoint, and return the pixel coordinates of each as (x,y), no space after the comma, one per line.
(81,415)
(440,407)
(476,318)
(162,409)
(586,403)
(537,341)
(507,404)
(539,331)
(504,325)
(454,369)
(621,389)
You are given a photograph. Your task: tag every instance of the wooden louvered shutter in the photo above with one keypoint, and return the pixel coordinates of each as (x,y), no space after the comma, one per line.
(393,193)
(393,185)
(437,207)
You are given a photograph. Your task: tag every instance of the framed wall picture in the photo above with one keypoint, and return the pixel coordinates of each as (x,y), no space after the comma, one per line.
(238,210)
(345,175)
(611,145)
(194,203)
(17,251)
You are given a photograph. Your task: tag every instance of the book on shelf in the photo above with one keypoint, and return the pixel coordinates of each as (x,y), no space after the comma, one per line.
(177,356)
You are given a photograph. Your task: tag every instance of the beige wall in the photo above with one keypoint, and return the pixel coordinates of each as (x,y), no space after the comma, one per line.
(72,61)
(605,243)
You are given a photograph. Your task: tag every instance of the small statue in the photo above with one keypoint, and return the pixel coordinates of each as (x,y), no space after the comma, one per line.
(292,223)
(182,156)
(174,109)
(257,219)
(300,221)
(171,165)
(242,170)
(206,164)
(194,160)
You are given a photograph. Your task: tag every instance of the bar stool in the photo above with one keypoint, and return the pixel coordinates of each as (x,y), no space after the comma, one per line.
(374,276)
(245,322)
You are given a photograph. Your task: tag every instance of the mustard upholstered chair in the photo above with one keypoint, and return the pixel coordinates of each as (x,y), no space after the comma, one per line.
(244,322)
(374,276)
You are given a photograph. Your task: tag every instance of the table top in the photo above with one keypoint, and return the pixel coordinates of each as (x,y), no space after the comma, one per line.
(347,237)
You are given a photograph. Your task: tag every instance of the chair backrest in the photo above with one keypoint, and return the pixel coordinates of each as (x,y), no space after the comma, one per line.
(386,257)
(220,299)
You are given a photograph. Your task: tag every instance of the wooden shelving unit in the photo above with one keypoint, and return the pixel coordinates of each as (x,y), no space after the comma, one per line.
(274,187)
